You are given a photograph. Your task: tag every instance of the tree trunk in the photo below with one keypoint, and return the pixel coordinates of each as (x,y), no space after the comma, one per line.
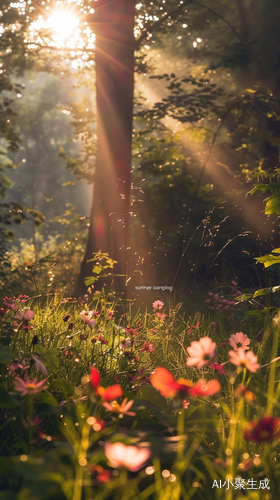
(114,64)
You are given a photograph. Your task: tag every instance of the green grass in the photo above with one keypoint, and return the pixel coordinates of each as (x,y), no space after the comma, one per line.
(191,448)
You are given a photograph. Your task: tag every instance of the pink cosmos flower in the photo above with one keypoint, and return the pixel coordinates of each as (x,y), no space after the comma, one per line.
(131,457)
(9,302)
(121,409)
(193,327)
(217,367)
(87,318)
(27,315)
(160,317)
(245,359)
(28,386)
(148,347)
(16,367)
(200,352)
(158,304)
(31,423)
(130,331)
(239,340)
(125,343)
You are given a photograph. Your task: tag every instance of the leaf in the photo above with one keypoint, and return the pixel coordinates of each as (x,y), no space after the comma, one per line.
(243,297)
(202,415)
(97,269)
(46,397)
(151,396)
(273,205)
(62,385)
(89,280)
(5,354)
(262,291)
(5,399)
(46,409)
(268,260)
(273,187)
(49,357)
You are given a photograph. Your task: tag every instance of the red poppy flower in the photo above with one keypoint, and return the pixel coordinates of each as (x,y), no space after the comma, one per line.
(112,392)
(168,386)
(266,428)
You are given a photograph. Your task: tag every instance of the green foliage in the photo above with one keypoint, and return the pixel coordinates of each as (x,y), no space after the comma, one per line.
(101,261)
(272,202)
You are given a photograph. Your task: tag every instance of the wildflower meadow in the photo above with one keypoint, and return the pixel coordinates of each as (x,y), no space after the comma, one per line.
(99,403)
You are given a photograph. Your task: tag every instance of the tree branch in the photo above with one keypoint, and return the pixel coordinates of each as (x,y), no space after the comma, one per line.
(171,14)
(222,18)
(62,49)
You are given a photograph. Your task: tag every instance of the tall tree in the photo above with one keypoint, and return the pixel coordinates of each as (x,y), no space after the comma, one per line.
(114,65)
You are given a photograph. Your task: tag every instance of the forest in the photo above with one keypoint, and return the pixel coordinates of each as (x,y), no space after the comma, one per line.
(139,249)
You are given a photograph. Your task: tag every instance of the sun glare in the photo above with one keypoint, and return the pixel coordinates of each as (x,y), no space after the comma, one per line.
(64,29)
(63,25)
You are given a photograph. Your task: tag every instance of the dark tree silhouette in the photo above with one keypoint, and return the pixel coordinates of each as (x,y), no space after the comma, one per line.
(114,64)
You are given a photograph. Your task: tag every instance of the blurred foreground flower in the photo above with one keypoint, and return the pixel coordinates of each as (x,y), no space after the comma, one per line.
(31,423)
(168,386)
(131,457)
(28,386)
(112,392)
(40,366)
(101,475)
(266,428)
(200,352)
(239,339)
(121,409)
(245,391)
(245,359)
